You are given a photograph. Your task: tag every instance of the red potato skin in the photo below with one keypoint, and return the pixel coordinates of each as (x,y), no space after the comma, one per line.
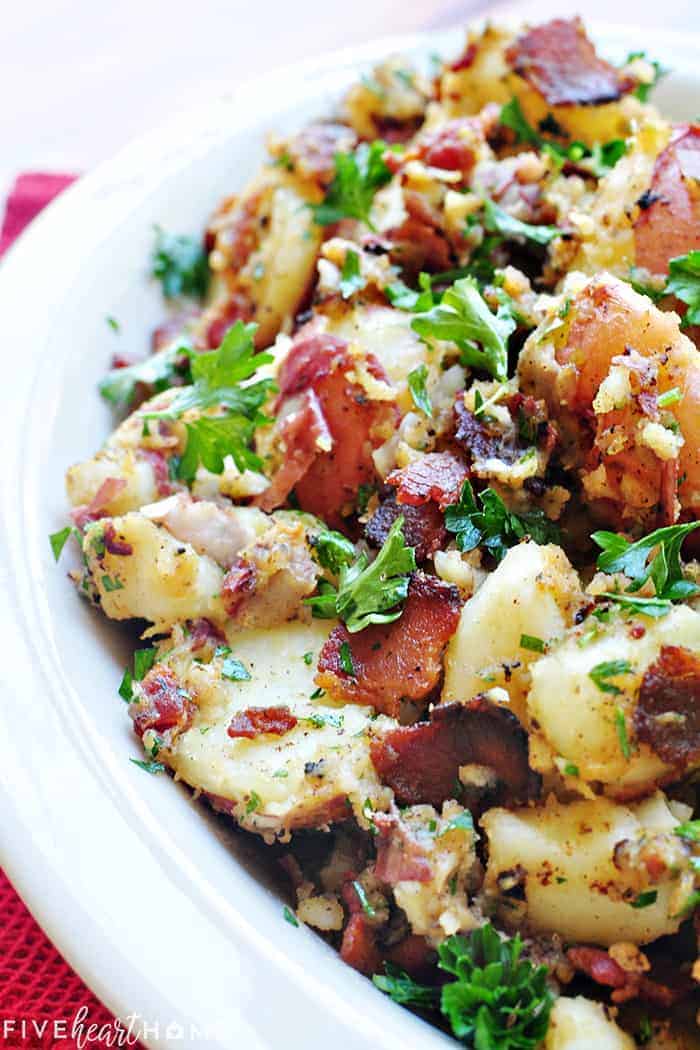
(670,226)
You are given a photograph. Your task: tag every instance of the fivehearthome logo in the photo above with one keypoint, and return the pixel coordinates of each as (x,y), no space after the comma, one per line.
(79,1031)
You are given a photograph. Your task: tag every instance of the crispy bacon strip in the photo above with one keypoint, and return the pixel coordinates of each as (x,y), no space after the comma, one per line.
(598,965)
(667,715)
(602,968)
(395,661)
(420,243)
(670,224)
(203,632)
(399,854)
(113,544)
(421,762)
(254,721)
(559,61)
(95,509)
(479,440)
(359,946)
(239,583)
(436,477)
(423,527)
(165,703)
(319,362)
(237,307)
(304,433)
(449,146)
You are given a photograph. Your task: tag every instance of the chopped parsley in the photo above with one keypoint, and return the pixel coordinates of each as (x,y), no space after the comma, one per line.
(112,583)
(684,283)
(148,767)
(367,908)
(601,673)
(332,550)
(158,371)
(289,916)
(144,660)
(180,264)
(462,822)
(346,659)
(494,526)
(463,317)
(669,397)
(218,383)
(369,592)
(644,900)
(234,670)
(351,280)
(308,659)
(59,539)
(495,1001)
(419,391)
(113,323)
(532,642)
(690,830)
(571,770)
(621,727)
(643,91)
(358,175)
(253,802)
(497,220)
(655,557)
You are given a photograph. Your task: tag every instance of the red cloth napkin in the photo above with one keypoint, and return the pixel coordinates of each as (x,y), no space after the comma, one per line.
(40,996)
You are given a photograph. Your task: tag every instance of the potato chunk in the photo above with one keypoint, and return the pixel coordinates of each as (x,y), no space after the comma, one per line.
(579,1024)
(561,855)
(535,592)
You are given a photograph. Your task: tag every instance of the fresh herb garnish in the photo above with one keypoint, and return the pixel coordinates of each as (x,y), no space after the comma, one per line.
(623,738)
(643,91)
(112,583)
(253,802)
(234,670)
(598,160)
(494,526)
(332,550)
(684,283)
(289,916)
(367,908)
(308,659)
(601,673)
(148,767)
(463,317)
(497,220)
(358,175)
(419,391)
(143,662)
(369,592)
(218,382)
(655,557)
(645,900)
(462,822)
(158,371)
(531,642)
(571,770)
(351,280)
(180,264)
(690,830)
(496,1001)
(345,656)
(59,539)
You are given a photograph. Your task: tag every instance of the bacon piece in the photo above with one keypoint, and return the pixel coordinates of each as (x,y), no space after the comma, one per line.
(448,148)
(96,508)
(254,721)
(394,661)
(667,715)
(437,476)
(161,471)
(399,854)
(466,59)
(203,632)
(304,434)
(356,424)
(239,583)
(421,762)
(165,704)
(423,527)
(114,545)
(237,307)
(172,328)
(419,243)
(359,946)
(598,965)
(478,440)
(670,225)
(312,151)
(559,61)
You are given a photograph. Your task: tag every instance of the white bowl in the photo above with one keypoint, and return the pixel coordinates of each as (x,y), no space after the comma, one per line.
(164,911)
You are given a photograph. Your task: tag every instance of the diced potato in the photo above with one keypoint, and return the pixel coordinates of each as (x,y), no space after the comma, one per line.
(162,580)
(564,855)
(579,1024)
(274,783)
(534,592)
(580,722)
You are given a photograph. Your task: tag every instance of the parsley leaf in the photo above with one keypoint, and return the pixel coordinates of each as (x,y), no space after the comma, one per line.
(644,900)
(217,378)
(690,830)
(497,1001)
(643,91)
(59,539)
(656,556)
(494,526)
(609,669)
(180,264)
(513,117)
(497,220)
(684,283)
(419,391)
(358,176)
(598,160)
(332,550)
(621,727)
(234,670)
(158,371)
(351,280)
(369,592)
(148,767)
(463,317)
(346,659)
